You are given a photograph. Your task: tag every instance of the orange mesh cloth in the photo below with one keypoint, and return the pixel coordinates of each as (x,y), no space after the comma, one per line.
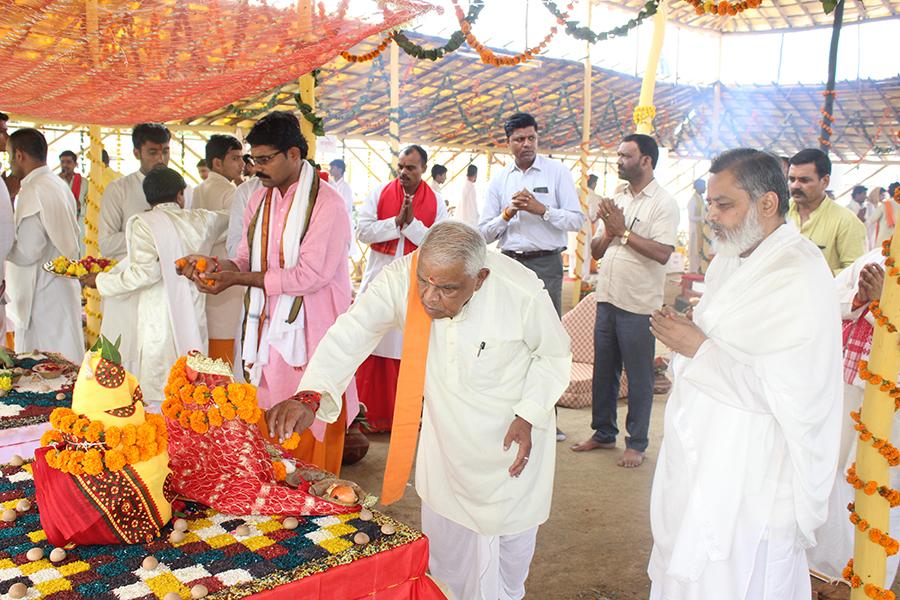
(164,60)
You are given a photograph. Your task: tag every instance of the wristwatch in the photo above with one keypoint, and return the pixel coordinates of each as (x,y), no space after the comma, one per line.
(624,239)
(546,215)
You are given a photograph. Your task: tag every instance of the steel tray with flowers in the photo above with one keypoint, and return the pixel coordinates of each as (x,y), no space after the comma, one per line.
(64,267)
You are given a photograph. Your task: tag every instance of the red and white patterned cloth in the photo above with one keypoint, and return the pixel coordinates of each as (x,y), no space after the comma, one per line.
(857,346)
(229,469)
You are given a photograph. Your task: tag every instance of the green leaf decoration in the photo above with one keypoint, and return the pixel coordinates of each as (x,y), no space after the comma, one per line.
(108,350)
(829,5)
(6,359)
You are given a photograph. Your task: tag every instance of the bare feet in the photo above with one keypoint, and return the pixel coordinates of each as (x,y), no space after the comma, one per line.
(592,444)
(631,459)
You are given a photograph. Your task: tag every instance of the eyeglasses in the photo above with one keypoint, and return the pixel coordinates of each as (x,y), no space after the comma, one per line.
(261,160)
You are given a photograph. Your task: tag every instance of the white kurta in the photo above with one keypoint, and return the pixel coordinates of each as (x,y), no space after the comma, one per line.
(7,238)
(223,311)
(142,281)
(836,537)
(45,308)
(471,396)
(371,230)
(122,199)
(239,203)
(467,209)
(752,428)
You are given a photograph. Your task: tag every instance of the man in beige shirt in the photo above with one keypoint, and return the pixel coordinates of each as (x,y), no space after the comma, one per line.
(215,193)
(637,239)
(838,233)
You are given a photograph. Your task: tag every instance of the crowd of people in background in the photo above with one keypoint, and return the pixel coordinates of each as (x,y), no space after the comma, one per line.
(251,266)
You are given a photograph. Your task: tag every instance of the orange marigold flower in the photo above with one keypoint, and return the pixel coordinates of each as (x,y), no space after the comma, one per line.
(228,411)
(198,422)
(112,436)
(93,462)
(870,488)
(51,436)
(94,431)
(184,419)
(115,460)
(214,416)
(132,455)
(280,471)
(292,442)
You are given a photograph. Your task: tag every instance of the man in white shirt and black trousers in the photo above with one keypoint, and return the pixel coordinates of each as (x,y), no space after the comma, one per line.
(530,207)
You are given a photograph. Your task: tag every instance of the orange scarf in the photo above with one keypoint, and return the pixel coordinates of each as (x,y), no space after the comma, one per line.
(410,392)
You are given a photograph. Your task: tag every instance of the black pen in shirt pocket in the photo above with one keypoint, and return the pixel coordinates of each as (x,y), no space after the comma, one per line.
(480,348)
(541,190)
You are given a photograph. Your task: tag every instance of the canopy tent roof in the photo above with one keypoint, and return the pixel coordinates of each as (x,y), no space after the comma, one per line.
(119,62)
(461,102)
(771,15)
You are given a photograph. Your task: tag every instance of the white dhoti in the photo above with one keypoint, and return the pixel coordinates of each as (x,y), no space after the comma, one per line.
(475,566)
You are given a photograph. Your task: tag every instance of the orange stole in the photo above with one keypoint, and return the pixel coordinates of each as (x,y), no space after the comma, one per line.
(223,349)
(326,454)
(410,390)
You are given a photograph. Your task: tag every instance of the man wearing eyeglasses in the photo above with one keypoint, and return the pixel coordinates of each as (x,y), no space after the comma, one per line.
(293,260)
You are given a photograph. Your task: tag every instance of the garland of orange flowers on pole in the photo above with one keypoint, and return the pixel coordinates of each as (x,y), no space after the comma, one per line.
(487,55)
(884,448)
(81,446)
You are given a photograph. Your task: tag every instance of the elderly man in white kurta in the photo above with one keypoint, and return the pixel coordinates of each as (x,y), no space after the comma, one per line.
(497,361)
(171,312)
(857,286)
(45,308)
(752,426)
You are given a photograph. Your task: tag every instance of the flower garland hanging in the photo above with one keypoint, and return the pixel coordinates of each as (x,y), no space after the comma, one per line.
(80,446)
(456,39)
(487,55)
(371,54)
(586,34)
(212,407)
(724,7)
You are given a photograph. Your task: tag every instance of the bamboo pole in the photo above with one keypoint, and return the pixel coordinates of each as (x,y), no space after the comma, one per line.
(645,111)
(869,558)
(394,111)
(580,258)
(307,84)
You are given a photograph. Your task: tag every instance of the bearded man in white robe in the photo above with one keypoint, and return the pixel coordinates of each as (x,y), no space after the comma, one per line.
(752,427)
(171,312)
(497,360)
(45,308)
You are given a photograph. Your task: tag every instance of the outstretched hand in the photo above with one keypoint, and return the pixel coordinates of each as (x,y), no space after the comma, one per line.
(288,416)
(519,432)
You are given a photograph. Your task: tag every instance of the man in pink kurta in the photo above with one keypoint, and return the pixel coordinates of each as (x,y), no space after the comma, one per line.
(293,258)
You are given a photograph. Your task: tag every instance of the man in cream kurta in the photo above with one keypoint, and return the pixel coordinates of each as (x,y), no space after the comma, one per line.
(122,199)
(45,308)
(502,358)
(216,193)
(752,425)
(166,326)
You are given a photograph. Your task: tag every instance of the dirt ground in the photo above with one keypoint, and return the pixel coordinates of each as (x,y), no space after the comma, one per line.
(597,542)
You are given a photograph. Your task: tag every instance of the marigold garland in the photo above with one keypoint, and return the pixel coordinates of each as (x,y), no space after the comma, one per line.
(372,54)
(871,590)
(877,536)
(211,407)
(884,447)
(723,8)
(80,446)
(487,55)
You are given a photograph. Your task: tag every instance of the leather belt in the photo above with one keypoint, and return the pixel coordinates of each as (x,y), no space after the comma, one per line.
(532,254)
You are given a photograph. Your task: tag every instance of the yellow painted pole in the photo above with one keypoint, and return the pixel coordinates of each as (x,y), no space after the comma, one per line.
(96,183)
(645,111)
(869,558)
(307,84)
(394,111)
(580,258)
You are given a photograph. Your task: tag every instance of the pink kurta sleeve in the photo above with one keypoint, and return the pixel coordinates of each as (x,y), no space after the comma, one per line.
(324,249)
(242,257)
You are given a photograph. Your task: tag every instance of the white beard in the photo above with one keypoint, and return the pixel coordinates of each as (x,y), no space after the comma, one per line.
(734,242)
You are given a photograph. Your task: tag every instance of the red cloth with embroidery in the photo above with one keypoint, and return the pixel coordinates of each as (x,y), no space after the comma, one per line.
(857,345)
(229,469)
(424,205)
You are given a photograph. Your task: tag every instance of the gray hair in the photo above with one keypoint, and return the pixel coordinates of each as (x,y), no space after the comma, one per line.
(756,173)
(454,242)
